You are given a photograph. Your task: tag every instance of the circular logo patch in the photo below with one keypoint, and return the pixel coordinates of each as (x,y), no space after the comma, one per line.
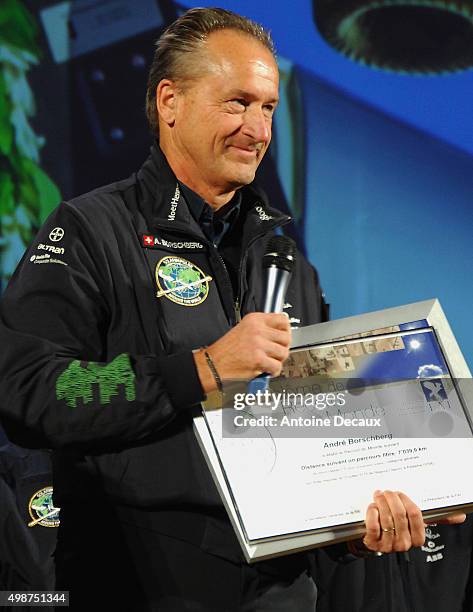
(42,510)
(56,234)
(181,281)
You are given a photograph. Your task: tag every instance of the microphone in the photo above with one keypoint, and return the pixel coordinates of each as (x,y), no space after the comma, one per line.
(278,264)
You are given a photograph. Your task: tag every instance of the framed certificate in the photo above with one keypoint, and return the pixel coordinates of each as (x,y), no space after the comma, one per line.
(378,401)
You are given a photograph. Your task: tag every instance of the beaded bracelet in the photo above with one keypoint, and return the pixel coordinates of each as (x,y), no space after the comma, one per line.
(214,371)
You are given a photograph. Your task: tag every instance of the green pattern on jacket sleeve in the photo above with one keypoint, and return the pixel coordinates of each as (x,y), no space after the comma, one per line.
(78,379)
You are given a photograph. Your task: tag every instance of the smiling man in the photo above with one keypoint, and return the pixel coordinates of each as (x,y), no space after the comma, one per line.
(214,130)
(109,346)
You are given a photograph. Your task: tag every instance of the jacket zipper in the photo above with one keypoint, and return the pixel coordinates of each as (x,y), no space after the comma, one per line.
(236,303)
(237,310)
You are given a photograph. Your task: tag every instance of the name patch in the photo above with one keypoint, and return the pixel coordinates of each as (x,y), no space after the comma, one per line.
(158,242)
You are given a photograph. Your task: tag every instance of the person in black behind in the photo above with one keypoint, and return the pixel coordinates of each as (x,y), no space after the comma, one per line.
(25,553)
(105,323)
(436,577)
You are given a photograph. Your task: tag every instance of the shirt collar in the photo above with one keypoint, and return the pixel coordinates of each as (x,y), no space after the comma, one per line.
(213,223)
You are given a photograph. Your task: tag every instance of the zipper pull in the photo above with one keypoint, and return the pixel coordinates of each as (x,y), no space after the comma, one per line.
(237,311)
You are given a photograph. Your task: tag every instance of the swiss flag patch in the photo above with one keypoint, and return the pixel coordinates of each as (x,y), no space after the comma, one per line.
(148,240)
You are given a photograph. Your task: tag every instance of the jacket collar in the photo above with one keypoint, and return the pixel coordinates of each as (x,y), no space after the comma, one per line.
(165,207)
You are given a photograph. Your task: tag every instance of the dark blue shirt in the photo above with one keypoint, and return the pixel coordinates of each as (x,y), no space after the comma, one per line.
(214,224)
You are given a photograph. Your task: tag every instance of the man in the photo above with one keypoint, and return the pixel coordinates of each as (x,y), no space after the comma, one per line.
(105,355)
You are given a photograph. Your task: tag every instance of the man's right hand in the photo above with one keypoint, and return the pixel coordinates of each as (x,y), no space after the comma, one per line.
(259,343)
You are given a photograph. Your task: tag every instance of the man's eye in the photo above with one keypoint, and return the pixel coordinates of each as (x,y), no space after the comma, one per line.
(239,102)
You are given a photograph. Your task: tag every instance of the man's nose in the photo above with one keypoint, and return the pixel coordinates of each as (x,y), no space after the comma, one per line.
(256,125)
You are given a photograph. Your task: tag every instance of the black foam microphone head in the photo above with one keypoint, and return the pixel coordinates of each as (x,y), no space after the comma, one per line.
(280,253)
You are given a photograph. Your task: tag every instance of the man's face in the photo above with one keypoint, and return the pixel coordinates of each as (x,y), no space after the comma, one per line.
(223,119)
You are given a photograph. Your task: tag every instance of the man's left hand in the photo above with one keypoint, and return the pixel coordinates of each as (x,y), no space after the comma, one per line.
(394,523)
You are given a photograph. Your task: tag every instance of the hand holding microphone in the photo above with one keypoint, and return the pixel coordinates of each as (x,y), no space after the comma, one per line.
(260,342)
(278,264)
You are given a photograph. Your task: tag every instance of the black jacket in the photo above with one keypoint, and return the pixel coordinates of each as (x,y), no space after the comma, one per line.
(437,577)
(97,367)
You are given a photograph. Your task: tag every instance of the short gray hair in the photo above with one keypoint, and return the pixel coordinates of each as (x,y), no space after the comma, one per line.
(185,37)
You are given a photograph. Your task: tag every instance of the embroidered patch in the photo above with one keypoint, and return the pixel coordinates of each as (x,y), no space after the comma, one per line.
(77,381)
(181,281)
(42,510)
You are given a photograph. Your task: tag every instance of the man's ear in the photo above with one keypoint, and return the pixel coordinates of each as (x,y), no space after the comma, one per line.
(166,101)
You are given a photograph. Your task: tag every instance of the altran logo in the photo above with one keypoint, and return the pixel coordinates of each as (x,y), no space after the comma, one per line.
(174,203)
